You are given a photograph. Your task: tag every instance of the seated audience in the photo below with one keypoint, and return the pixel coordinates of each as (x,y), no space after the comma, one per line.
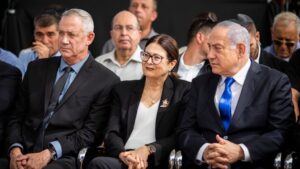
(10,79)
(125,59)
(46,38)
(193,61)
(285,36)
(146,12)
(145,113)
(247,112)
(262,57)
(62,103)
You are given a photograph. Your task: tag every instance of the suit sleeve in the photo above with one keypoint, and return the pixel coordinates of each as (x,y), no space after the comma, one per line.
(10,79)
(280,120)
(188,135)
(17,115)
(113,141)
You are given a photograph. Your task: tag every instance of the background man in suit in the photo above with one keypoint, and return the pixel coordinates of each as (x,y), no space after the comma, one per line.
(193,61)
(248,106)
(60,108)
(10,79)
(146,12)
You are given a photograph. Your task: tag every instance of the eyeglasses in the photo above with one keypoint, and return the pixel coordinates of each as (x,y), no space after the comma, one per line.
(286,42)
(156,59)
(128,28)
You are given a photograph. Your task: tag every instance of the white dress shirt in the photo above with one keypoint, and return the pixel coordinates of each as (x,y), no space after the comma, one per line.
(236,88)
(131,70)
(188,72)
(144,126)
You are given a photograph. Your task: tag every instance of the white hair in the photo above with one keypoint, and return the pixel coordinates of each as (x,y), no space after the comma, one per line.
(86,18)
(236,34)
(286,18)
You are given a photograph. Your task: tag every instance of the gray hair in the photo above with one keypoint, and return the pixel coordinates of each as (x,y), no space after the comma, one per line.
(236,34)
(86,18)
(286,18)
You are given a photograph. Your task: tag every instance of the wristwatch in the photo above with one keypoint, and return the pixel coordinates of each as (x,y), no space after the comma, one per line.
(53,153)
(151,148)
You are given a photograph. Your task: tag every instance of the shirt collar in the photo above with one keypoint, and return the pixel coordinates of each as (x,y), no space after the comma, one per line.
(240,76)
(135,57)
(195,65)
(56,54)
(76,67)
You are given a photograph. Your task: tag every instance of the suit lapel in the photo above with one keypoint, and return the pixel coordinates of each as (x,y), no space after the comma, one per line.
(247,93)
(134,102)
(79,80)
(211,92)
(50,79)
(165,100)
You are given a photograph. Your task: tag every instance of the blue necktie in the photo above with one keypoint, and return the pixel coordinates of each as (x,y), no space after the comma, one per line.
(225,103)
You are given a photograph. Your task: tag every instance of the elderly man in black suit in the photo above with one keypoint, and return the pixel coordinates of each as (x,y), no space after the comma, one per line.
(239,114)
(10,79)
(63,101)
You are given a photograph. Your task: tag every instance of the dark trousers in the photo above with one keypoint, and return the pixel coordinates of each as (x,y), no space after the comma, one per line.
(63,163)
(106,163)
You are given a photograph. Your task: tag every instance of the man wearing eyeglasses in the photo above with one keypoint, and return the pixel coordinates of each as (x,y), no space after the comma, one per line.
(285,35)
(125,59)
(193,61)
(146,13)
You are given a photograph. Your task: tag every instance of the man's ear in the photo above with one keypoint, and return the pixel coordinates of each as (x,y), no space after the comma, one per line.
(154,16)
(241,49)
(257,36)
(199,37)
(90,38)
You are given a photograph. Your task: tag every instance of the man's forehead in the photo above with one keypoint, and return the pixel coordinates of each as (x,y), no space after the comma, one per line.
(51,28)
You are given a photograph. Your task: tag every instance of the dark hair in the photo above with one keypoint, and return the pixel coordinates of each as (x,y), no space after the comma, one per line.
(202,22)
(48,17)
(246,22)
(169,44)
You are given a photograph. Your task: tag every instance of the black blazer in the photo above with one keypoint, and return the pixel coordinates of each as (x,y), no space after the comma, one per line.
(83,109)
(126,99)
(263,115)
(10,79)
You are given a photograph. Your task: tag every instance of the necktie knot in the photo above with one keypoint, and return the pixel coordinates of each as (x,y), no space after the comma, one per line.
(68,69)
(228,82)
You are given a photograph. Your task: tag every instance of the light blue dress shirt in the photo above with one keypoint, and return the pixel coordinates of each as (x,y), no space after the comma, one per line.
(11,59)
(28,55)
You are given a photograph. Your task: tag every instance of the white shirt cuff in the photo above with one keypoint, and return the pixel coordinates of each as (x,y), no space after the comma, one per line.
(199,157)
(247,157)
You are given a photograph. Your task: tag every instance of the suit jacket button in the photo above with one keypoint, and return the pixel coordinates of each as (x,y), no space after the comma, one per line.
(225,137)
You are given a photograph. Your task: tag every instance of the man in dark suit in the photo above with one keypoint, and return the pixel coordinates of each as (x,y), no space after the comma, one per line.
(10,79)
(63,101)
(248,109)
